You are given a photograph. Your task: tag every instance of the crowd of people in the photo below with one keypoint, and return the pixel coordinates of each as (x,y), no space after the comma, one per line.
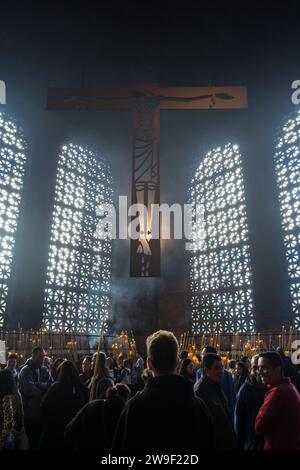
(117,404)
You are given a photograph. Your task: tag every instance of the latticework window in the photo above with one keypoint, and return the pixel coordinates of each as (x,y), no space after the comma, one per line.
(13,156)
(287,161)
(77,294)
(220,271)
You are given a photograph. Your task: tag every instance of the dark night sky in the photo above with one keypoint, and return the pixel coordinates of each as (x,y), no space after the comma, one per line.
(64,44)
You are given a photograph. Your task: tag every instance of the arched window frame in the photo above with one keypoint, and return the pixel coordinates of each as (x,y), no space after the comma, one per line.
(287,167)
(77,294)
(13,168)
(220,271)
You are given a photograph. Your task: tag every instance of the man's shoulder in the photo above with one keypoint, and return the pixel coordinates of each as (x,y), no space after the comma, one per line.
(288,390)
(93,407)
(25,369)
(198,403)
(139,398)
(201,386)
(146,399)
(283,392)
(246,387)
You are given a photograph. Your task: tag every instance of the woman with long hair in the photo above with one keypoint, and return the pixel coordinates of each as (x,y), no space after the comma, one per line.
(187,369)
(11,412)
(55,368)
(101,380)
(62,401)
(242,373)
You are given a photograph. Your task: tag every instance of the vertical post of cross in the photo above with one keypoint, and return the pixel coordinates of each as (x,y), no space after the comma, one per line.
(145,251)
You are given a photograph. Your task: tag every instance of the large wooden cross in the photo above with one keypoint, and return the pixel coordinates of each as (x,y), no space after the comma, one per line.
(146,101)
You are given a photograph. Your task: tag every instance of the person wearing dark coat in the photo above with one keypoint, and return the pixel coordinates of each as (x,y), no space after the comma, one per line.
(166,416)
(61,403)
(289,370)
(94,426)
(249,400)
(227,381)
(34,381)
(210,391)
(241,375)
(86,371)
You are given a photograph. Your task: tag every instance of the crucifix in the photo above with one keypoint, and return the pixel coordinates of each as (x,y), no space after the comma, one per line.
(146,101)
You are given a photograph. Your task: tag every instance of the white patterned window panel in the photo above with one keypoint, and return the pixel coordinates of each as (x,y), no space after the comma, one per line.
(220,267)
(287,163)
(13,161)
(77,293)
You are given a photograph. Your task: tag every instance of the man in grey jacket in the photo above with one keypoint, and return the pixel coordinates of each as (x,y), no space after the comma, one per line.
(34,381)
